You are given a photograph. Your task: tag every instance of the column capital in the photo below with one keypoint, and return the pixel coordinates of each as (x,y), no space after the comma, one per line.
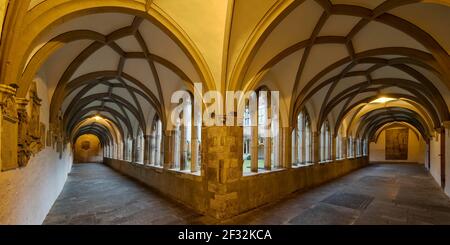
(21,103)
(7,89)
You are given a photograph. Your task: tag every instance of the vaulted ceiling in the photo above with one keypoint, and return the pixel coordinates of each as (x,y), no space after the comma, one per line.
(124,59)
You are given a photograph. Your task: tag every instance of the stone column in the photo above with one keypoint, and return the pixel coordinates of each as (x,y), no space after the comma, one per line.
(151,150)
(315,147)
(268,153)
(183,148)
(295,147)
(134,151)
(194,148)
(333,147)
(9,128)
(286,147)
(147,152)
(344,147)
(159,150)
(222,149)
(254,149)
(168,142)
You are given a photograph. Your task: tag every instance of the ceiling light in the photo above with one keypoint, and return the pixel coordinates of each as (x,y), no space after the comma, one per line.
(382,100)
(98,118)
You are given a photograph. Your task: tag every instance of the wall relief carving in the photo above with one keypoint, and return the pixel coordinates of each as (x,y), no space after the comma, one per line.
(31,132)
(8,122)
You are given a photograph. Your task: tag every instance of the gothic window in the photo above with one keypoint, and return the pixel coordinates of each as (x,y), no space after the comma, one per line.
(325,142)
(302,141)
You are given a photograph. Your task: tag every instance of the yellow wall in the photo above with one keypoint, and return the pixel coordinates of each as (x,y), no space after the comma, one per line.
(93,153)
(416,149)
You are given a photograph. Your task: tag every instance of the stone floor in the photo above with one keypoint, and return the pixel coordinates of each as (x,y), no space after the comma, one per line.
(378,194)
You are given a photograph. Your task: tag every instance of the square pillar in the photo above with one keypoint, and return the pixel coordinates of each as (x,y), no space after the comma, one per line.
(222,153)
(286,147)
(9,128)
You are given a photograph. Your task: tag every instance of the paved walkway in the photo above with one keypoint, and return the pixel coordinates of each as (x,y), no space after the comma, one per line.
(378,194)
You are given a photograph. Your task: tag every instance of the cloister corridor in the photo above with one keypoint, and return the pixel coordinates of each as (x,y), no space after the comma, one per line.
(281,112)
(378,194)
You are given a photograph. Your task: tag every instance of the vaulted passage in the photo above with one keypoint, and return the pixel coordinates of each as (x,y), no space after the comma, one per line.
(223,108)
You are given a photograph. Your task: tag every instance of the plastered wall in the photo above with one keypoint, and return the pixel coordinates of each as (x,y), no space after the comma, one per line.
(27,194)
(416,149)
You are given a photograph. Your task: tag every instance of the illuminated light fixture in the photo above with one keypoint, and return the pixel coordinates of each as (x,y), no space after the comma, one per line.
(382,100)
(98,118)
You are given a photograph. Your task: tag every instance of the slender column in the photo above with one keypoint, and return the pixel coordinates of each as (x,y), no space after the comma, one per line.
(151,150)
(333,147)
(286,146)
(159,150)
(183,148)
(194,148)
(147,144)
(344,147)
(169,149)
(268,153)
(254,149)
(295,147)
(315,147)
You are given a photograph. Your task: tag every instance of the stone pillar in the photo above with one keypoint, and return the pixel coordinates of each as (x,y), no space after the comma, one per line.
(315,147)
(169,148)
(222,149)
(333,147)
(183,148)
(286,147)
(147,152)
(134,151)
(9,128)
(159,150)
(254,149)
(268,153)
(194,148)
(152,150)
(344,147)
(295,147)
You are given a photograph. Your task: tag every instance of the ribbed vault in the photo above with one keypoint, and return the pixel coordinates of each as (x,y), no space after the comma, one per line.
(334,58)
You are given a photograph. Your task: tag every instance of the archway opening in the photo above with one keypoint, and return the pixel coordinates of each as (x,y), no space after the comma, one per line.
(88,149)
(398,143)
